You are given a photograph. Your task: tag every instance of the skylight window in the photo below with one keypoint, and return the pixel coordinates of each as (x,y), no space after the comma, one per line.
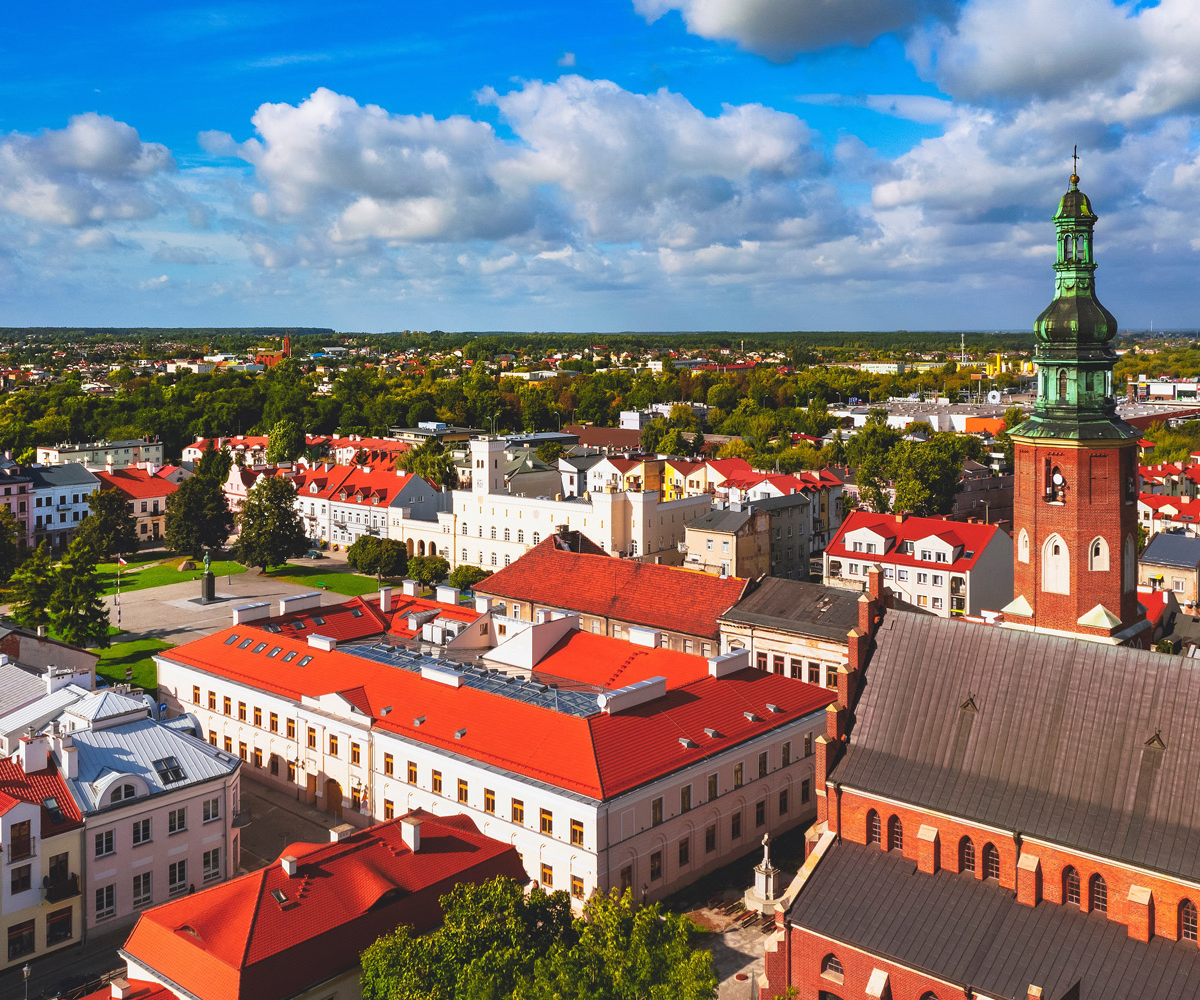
(289,656)
(318,620)
(356,612)
(169,770)
(232,639)
(244,643)
(260,647)
(272,628)
(305,661)
(52,807)
(298,626)
(274,652)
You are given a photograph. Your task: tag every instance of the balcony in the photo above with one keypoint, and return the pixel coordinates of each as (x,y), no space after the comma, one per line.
(57,889)
(20,850)
(242,819)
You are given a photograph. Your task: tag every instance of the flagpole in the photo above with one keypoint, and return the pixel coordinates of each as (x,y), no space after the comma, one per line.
(119,564)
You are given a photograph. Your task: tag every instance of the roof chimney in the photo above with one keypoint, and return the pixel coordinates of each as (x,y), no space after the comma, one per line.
(410,588)
(70,760)
(121,989)
(289,864)
(410,832)
(385,599)
(32,753)
(483,604)
(343,831)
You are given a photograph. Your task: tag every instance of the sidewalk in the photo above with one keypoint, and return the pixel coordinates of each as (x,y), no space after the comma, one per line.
(91,960)
(277,819)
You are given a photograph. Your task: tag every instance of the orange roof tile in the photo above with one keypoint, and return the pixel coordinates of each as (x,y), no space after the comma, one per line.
(661,597)
(137,483)
(36,787)
(241,941)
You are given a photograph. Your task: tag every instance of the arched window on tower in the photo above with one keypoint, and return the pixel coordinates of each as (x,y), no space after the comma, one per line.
(1070,886)
(1062,385)
(991,862)
(1098,554)
(895,834)
(1023,546)
(1056,566)
(1098,894)
(874,833)
(966,855)
(1187,921)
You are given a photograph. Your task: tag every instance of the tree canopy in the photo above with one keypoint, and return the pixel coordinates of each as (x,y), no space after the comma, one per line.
(8,543)
(286,441)
(77,610)
(270,529)
(428,569)
(33,584)
(432,461)
(465,577)
(110,527)
(497,942)
(197,516)
(383,557)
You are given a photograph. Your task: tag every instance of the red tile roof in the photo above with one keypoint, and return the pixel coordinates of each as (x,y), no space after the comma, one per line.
(238,941)
(973,538)
(362,617)
(661,597)
(597,755)
(141,990)
(137,484)
(36,787)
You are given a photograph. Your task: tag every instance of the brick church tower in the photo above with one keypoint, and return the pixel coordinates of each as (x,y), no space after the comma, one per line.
(1075,506)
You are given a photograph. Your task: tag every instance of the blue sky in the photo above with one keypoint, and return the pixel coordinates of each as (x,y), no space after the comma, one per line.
(625,164)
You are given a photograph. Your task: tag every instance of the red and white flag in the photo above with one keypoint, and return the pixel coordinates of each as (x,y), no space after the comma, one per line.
(121,561)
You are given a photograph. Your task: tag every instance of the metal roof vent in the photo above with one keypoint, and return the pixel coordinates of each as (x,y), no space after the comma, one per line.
(751,717)
(773,708)
(459,733)
(969,705)
(1156,742)
(712,733)
(687,744)
(418,721)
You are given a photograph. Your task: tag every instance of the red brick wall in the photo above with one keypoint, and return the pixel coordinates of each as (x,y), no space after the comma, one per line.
(1094,506)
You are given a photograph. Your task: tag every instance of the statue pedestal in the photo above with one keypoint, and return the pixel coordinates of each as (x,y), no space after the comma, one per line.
(767,890)
(208,588)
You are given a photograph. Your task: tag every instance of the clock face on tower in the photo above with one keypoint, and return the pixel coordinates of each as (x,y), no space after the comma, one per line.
(1057,479)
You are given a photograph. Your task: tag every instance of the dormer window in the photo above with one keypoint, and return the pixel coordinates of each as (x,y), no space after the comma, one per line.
(926,555)
(122,792)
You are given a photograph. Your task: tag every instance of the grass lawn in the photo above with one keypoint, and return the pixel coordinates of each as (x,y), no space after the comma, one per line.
(159,574)
(135,654)
(350,584)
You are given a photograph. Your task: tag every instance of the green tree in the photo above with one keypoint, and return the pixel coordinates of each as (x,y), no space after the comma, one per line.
(286,442)
(110,527)
(382,557)
(214,463)
(431,461)
(673,443)
(362,555)
(465,577)
(270,528)
(77,610)
(8,544)
(428,569)
(652,435)
(197,516)
(33,584)
(550,452)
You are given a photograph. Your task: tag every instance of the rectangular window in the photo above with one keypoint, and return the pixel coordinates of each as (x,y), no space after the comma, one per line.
(291,729)
(212,809)
(177,882)
(312,738)
(777,664)
(710,839)
(518,811)
(389,764)
(785,755)
(735,825)
(737,775)
(212,701)
(195,694)
(20,940)
(412,772)
(656,866)
(489,801)
(546,821)
(462,790)
(333,746)
(141,832)
(760,661)
(814,673)
(105,844)
(937,602)
(922,601)
(105,902)
(21,879)
(922,578)
(577,886)
(760,813)
(808,744)
(437,782)
(242,750)
(685,851)
(177,820)
(656,812)
(228,704)
(229,744)
(60,926)
(257,757)
(805,791)
(547,877)
(902,574)
(291,772)
(212,864)
(273,721)
(142,892)
(355,754)
(389,809)
(712,787)
(762,764)
(258,716)
(212,737)
(685,799)
(577,832)
(241,711)
(783,801)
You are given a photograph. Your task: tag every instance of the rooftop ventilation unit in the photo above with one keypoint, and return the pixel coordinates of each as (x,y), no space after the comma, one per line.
(773,708)
(419,721)
(751,717)
(712,733)
(687,744)
(632,695)
(459,733)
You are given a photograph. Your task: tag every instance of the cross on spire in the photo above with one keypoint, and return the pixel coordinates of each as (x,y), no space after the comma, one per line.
(1075,161)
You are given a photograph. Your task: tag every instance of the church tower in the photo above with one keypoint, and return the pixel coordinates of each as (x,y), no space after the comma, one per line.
(1075,505)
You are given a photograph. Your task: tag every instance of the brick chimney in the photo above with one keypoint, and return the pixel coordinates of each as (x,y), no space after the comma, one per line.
(385,599)
(410,832)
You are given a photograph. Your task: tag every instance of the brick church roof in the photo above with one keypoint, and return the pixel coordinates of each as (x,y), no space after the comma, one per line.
(975,934)
(1059,746)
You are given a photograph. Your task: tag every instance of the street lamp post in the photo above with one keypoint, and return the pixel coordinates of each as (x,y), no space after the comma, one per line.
(25,972)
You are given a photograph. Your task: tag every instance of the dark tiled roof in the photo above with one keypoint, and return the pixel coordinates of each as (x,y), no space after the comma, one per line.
(722,520)
(976,934)
(1166,549)
(797,607)
(1057,748)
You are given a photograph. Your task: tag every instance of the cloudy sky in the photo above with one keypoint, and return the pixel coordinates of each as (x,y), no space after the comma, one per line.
(619,164)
